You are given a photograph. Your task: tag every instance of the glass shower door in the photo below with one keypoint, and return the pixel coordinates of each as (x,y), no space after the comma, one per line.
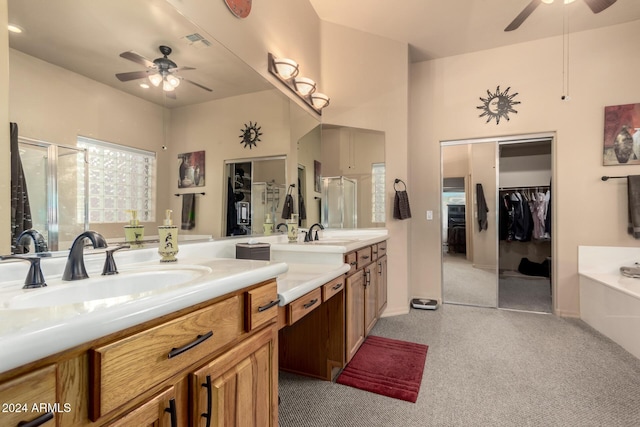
(339,207)
(58,215)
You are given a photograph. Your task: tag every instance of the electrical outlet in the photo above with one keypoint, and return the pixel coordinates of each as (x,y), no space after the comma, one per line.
(429,215)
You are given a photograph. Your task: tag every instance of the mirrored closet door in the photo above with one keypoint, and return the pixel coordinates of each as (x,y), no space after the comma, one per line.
(469,235)
(496,222)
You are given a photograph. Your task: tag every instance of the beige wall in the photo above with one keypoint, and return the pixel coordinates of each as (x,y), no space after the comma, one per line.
(444,96)
(5,163)
(367,80)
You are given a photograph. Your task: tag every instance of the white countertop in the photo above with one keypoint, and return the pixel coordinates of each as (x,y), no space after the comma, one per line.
(29,334)
(303,278)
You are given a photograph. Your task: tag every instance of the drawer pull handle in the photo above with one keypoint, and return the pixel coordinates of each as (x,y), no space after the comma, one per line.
(199,339)
(207,415)
(366,257)
(311,303)
(336,287)
(172,411)
(268,306)
(379,269)
(353,263)
(37,421)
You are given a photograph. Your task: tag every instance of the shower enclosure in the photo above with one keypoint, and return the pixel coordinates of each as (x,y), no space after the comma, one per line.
(58,215)
(339,206)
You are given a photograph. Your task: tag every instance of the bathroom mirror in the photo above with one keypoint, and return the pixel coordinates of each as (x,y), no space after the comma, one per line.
(357,155)
(255,194)
(63,84)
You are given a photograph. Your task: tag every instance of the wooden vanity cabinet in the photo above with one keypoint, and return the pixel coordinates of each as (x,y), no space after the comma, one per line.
(314,345)
(153,374)
(366,294)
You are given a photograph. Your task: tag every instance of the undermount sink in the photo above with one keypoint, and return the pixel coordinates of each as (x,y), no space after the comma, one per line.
(128,284)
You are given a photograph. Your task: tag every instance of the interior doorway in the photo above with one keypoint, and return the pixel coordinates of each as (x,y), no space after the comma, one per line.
(486,259)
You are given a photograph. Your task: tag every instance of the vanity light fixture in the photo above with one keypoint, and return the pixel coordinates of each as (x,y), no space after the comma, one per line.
(304,85)
(319,100)
(144,86)
(14,29)
(286,70)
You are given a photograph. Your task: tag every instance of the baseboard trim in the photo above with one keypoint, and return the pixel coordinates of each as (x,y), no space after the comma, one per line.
(571,314)
(396,312)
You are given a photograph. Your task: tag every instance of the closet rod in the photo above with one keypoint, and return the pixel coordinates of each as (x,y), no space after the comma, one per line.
(523,187)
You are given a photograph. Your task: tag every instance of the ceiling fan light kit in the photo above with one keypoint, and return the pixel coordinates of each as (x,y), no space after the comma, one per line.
(159,71)
(286,70)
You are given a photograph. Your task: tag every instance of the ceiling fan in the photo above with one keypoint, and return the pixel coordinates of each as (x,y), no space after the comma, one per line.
(596,6)
(159,71)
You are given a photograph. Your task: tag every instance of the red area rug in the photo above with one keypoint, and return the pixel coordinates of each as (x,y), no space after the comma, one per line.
(388,367)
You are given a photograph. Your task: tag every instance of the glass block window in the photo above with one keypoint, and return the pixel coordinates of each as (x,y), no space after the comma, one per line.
(377,192)
(120,178)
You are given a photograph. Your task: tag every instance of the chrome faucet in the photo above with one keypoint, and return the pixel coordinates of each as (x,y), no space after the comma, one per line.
(75,270)
(39,244)
(320,226)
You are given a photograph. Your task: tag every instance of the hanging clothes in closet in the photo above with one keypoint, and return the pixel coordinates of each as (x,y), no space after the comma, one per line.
(525,214)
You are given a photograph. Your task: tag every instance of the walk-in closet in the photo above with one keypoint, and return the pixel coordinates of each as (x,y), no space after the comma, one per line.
(496,222)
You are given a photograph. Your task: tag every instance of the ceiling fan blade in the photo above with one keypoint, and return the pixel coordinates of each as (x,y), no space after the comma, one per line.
(181,69)
(598,6)
(528,10)
(137,58)
(196,84)
(133,75)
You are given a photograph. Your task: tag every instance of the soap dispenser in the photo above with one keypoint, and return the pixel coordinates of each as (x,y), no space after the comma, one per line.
(134,232)
(268,225)
(168,236)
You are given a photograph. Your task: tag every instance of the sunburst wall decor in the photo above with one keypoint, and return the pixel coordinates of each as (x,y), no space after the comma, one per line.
(498,105)
(250,135)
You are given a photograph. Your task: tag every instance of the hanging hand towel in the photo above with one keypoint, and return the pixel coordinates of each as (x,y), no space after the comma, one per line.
(302,209)
(633,188)
(287,208)
(482,208)
(188,211)
(401,209)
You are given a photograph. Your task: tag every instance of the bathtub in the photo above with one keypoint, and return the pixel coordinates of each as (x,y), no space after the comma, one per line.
(610,302)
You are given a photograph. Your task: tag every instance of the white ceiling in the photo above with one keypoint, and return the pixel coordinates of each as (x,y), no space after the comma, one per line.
(440,28)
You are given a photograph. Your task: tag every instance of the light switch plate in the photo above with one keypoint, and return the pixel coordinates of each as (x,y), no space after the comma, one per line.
(429,215)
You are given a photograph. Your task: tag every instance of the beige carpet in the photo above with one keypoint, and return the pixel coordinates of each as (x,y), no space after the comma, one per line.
(462,283)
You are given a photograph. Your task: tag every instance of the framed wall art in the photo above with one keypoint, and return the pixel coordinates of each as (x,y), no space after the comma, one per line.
(191,169)
(622,135)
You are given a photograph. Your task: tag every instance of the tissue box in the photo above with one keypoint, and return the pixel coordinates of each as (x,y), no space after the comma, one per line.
(258,251)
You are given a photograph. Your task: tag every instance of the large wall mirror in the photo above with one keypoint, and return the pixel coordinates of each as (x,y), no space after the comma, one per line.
(63,86)
(353,177)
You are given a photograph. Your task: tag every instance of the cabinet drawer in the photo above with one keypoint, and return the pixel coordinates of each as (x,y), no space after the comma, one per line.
(19,396)
(364,256)
(128,367)
(261,305)
(374,252)
(304,305)
(382,249)
(333,287)
(155,412)
(352,259)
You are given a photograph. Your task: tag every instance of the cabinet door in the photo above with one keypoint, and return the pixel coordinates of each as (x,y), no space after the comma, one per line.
(159,411)
(370,294)
(355,313)
(382,284)
(239,388)
(30,398)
